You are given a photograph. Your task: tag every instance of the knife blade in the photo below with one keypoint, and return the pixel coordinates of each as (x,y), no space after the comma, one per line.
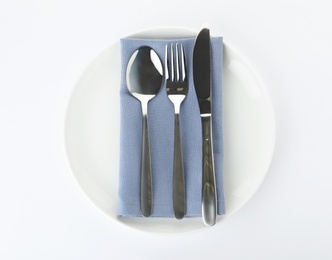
(202,82)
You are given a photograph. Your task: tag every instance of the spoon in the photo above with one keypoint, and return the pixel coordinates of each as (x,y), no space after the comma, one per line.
(144,80)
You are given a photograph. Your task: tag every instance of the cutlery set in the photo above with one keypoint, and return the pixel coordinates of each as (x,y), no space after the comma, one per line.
(144,77)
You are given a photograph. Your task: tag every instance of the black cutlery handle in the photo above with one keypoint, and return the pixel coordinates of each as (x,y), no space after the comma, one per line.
(146,179)
(178,173)
(209,197)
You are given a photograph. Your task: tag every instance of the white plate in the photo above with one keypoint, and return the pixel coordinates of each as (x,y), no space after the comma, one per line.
(92,134)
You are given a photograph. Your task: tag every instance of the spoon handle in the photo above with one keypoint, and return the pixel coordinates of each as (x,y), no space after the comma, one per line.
(178,173)
(146,180)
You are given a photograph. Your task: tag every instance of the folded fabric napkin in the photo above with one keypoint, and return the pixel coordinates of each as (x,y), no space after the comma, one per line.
(161,134)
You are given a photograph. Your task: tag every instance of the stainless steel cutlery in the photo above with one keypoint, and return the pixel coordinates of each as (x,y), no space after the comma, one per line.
(202,82)
(177,89)
(144,79)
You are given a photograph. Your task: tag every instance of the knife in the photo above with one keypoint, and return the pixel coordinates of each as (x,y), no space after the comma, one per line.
(202,82)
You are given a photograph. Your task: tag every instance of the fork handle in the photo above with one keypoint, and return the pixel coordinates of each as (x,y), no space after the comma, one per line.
(146,179)
(209,197)
(178,173)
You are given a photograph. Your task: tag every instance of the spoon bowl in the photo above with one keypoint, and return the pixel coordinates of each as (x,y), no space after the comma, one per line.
(144,77)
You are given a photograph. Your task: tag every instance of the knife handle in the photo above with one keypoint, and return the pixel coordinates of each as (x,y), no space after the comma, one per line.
(146,179)
(209,197)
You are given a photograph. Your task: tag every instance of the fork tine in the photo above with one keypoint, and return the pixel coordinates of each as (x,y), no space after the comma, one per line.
(174,63)
(169,68)
(183,66)
(177,69)
(166,62)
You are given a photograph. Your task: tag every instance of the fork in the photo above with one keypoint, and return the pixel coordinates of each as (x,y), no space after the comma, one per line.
(177,89)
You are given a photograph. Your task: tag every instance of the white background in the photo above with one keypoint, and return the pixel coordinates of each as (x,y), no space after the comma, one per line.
(44,45)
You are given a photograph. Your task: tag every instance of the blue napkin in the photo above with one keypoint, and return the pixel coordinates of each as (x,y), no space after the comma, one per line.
(161,134)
